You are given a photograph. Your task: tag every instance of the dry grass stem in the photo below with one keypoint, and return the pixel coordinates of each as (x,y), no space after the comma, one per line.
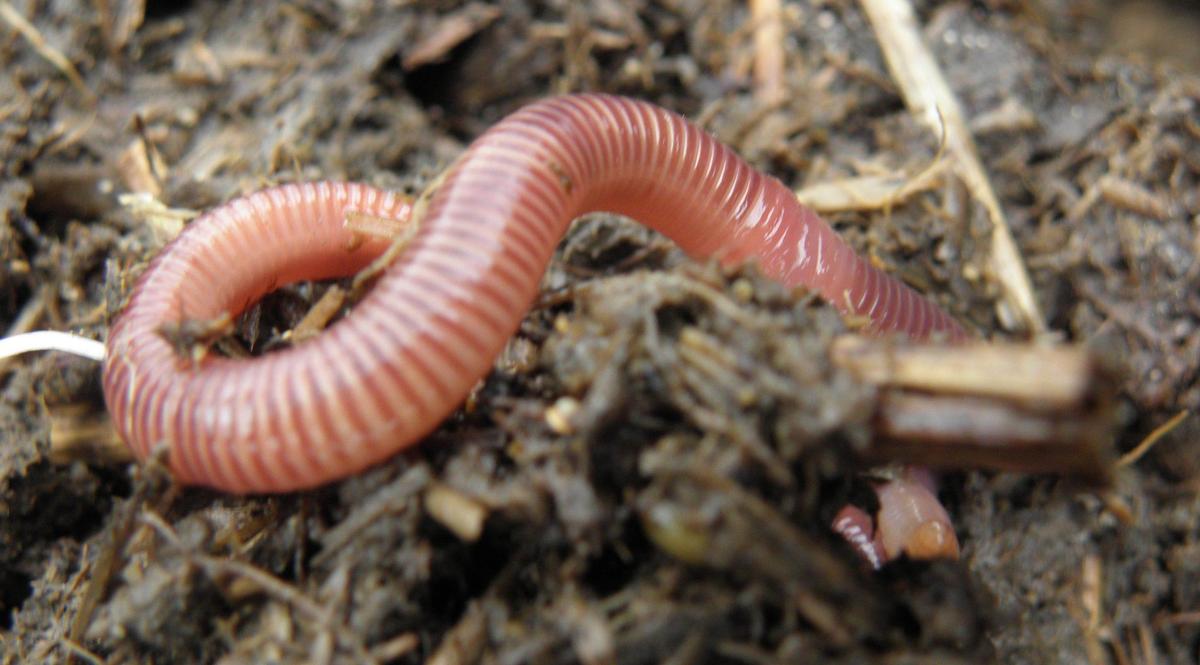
(373,226)
(119,20)
(166,223)
(769,58)
(404,233)
(449,32)
(396,648)
(77,650)
(1152,438)
(1010,116)
(137,172)
(463,643)
(871,192)
(318,316)
(1123,194)
(1132,197)
(1091,580)
(48,52)
(930,99)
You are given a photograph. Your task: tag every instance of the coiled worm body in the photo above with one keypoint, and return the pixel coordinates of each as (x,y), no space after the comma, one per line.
(408,354)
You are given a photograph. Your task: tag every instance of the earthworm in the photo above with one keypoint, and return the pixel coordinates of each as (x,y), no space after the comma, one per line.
(858,529)
(411,350)
(911,521)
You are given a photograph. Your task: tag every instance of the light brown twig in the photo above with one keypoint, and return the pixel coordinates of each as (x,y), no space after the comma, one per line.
(39,44)
(767,18)
(1151,439)
(930,99)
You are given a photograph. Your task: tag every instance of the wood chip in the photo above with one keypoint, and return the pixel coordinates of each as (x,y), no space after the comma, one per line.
(450,31)
(136,171)
(461,514)
(1046,378)
(1024,408)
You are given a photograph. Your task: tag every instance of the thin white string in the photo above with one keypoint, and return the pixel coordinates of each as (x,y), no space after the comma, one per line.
(51,340)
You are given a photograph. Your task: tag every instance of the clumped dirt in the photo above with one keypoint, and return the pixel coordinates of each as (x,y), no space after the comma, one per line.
(648,473)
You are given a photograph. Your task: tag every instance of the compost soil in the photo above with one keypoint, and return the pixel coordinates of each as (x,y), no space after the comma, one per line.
(648,473)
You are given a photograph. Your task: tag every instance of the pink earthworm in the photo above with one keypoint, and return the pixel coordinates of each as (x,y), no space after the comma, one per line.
(408,354)
(857,528)
(911,522)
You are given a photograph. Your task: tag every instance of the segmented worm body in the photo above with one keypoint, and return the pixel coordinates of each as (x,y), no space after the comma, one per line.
(407,355)
(911,521)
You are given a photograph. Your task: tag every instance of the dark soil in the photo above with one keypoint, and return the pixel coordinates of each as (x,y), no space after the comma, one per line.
(661,448)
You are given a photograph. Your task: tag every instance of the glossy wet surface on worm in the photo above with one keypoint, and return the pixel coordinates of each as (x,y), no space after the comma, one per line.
(431,327)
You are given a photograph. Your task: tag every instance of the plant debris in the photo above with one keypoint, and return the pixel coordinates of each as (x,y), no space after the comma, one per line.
(649,473)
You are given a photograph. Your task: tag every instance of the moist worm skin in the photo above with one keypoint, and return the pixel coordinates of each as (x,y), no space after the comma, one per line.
(406,356)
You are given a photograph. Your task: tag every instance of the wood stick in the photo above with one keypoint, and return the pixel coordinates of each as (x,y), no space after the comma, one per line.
(1012,407)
